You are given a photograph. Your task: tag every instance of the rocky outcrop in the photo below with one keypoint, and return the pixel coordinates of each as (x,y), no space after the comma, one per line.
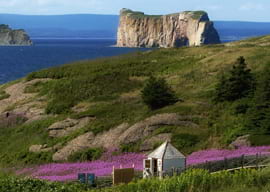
(175,30)
(78,144)
(126,134)
(10,119)
(43,148)
(13,37)
(27,105)
(146,127)
(67,126)
(242,141)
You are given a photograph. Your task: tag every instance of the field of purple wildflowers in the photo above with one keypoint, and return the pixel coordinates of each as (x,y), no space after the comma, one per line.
(69,171)
(104,166)
(218,154)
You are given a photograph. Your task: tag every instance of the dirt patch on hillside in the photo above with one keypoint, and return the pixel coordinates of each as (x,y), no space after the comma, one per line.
(23,103)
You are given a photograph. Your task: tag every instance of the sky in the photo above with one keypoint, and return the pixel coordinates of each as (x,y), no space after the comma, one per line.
(241,10)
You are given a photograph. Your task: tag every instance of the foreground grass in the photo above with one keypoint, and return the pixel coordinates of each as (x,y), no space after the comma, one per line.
(191,181)
(200,181)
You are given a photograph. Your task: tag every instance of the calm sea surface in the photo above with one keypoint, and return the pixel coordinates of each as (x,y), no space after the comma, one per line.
(18,61)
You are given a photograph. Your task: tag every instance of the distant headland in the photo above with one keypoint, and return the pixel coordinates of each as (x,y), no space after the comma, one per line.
(10,37)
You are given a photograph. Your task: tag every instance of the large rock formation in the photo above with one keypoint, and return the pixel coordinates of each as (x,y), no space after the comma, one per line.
(175,30)
(13,37)
(125,134)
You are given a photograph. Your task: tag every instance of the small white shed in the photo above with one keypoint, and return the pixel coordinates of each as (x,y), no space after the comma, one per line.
(163,161)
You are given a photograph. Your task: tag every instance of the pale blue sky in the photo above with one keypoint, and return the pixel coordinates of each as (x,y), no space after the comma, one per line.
(247,10)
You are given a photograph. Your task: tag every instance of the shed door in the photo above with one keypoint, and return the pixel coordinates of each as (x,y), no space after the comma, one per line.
(155,165)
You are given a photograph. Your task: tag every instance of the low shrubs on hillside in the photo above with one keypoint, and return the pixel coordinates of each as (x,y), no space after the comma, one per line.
(131,147)
(30,158)
(3,95)
(184,140)
(86,155)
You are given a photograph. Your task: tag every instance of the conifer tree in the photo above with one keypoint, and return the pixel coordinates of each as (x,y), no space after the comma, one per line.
(259,114)
(157,93)
(238,83)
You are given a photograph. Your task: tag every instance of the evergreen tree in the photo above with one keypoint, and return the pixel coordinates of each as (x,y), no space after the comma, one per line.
(157,93)
(259,114)
(238,83)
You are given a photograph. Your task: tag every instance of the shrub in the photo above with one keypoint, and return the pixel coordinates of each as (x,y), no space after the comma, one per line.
(3,95)
(34,158)
(184,140)
(13,184)
(86,155)
(131,147)
(237,84)
(157,93)
(241,106)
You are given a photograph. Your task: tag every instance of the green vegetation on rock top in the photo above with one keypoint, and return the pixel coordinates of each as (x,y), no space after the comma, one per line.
(196,14)
(138,14)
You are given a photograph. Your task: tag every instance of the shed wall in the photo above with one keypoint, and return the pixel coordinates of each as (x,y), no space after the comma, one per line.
(168,164)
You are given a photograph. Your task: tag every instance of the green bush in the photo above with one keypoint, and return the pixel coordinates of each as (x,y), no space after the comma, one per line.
(86,155)
(13,184)
(157,93)
(30,158)
(242,106)
(258,118)
(131,147)
(3,95)
(184,140)
(259,140)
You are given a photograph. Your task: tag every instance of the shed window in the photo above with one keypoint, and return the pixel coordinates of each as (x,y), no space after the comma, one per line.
(147,164)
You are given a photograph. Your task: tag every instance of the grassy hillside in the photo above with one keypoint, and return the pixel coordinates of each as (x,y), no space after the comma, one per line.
(109,90)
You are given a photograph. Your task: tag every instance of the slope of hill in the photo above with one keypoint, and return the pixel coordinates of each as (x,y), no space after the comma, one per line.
(64,111)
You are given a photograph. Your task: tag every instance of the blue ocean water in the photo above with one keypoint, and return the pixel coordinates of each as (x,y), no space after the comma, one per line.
(18,61)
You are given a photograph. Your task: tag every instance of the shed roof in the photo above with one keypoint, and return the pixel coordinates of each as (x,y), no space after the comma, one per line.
(166,151)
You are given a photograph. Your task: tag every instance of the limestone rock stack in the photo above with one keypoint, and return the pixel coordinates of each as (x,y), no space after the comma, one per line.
(190,28)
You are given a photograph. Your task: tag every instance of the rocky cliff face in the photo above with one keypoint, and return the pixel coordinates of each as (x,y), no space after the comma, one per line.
(175,30)
(13,37)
